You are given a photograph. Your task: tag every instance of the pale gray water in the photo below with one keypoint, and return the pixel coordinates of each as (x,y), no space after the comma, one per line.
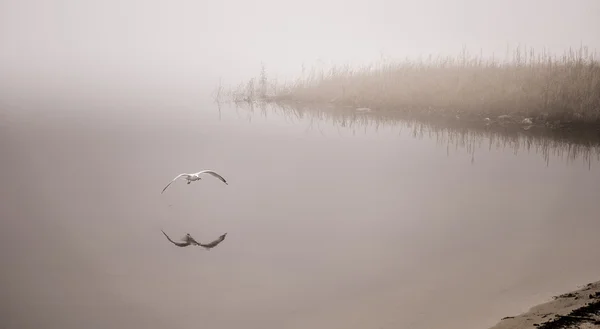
(328,226)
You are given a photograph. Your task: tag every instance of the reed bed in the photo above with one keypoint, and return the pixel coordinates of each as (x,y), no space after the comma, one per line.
(540,87)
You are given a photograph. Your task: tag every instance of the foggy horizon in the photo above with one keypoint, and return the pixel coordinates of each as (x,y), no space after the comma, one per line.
(187,45)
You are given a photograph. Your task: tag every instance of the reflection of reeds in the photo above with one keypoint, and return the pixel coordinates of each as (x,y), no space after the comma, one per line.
(540,86)
(453,134)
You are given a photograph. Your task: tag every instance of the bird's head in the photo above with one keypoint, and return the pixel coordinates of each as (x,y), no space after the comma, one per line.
(223,236)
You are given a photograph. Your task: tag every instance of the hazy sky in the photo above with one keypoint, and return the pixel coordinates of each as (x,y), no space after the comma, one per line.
(193,43)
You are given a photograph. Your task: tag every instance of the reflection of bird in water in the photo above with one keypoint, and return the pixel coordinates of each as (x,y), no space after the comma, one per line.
(194,177)
(214,243)
(187,240)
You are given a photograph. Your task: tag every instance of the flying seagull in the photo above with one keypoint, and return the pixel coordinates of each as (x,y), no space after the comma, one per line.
(213,244)
(194,177)
(187,240)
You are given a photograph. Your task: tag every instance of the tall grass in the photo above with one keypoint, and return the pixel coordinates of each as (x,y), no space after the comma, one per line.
(541,86)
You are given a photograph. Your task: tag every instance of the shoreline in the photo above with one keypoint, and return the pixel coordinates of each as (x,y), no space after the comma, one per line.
(576,309)
(575,130)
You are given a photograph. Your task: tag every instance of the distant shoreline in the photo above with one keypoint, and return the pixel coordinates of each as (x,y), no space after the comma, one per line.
(571,133)
(576,309)
(533,91)
(516,121)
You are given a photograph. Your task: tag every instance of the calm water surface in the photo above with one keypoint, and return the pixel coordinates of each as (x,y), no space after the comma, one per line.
(332,223)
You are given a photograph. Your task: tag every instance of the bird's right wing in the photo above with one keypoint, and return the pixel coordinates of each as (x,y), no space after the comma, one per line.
(173,242)
(174,179)
(213,173)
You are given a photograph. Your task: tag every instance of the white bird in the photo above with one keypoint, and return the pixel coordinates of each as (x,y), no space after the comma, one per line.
(194,177)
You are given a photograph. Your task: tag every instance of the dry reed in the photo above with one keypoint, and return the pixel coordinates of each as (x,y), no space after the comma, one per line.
(540,86)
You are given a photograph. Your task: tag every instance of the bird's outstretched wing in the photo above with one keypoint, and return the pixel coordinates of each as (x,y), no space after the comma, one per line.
(213,173)
(213,243)
(174,179)
(178,244)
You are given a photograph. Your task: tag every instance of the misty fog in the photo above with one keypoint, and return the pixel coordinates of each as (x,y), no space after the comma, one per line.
(190,45)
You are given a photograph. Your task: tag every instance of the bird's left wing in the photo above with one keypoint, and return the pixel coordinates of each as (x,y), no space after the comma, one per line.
(171,182)
(178,244)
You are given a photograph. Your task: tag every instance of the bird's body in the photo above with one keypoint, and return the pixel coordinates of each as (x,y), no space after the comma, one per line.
(187,240)
(214,243)
(195,177)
